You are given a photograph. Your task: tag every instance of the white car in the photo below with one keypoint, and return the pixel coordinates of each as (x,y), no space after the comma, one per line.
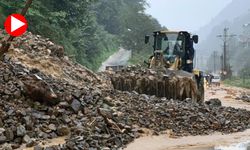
(216,80)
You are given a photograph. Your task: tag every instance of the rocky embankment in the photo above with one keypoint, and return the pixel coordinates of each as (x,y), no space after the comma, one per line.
(44,95)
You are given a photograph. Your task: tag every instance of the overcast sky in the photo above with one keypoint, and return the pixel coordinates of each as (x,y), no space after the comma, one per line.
(185,14)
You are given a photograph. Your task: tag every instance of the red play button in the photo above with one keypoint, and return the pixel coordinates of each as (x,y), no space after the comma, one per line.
(16,25)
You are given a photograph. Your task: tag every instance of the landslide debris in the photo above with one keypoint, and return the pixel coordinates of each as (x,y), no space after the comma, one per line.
(37,53)
(127,114)
(44,95)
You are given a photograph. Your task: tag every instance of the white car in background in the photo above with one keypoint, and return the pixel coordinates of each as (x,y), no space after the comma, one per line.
(216,80)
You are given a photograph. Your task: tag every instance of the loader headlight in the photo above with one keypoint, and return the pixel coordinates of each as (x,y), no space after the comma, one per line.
(189,61)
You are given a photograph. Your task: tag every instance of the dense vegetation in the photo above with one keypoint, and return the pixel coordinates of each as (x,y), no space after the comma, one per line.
(90,30)
(238,82)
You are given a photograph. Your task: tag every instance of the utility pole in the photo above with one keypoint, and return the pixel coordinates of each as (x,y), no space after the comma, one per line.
(214,55)
(226,67)
(222,64)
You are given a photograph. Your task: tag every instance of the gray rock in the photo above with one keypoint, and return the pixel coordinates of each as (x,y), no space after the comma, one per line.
(52,148)
(66,119)
(6,147)
(53,135)
(52,127)
(7,92)
(45,117)
(77,94)
(63,130)
(6,77)
(10,112)
(28,122)
(2,130)
(17,94)
(1,123)
(214,102)
(31,143)
(41,134)
(15,146)
(97,92)
(144,96)
(26,139)
(38,147)
(2,139)
(21,131)
(76,105)
(237,98)
(63,104)
(9,134)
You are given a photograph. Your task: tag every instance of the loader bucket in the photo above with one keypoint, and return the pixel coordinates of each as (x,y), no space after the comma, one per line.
(177,85)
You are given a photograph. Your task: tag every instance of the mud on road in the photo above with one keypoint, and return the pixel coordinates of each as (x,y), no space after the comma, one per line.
(228,96)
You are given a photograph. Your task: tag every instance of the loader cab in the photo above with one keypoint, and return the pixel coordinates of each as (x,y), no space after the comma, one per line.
(175,44)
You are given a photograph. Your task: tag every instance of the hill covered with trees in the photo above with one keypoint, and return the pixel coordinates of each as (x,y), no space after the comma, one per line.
(90,30)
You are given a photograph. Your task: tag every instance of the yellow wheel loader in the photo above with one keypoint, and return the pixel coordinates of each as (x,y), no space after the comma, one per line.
(170,72)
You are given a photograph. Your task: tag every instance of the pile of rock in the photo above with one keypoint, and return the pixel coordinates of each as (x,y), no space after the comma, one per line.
(37,53)
(37,101)
(35,106)
(124,115)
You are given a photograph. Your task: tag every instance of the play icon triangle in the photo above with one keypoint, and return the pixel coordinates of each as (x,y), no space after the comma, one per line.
(16,24)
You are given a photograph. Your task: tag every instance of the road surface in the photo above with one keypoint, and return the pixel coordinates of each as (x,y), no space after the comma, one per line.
(121,57)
